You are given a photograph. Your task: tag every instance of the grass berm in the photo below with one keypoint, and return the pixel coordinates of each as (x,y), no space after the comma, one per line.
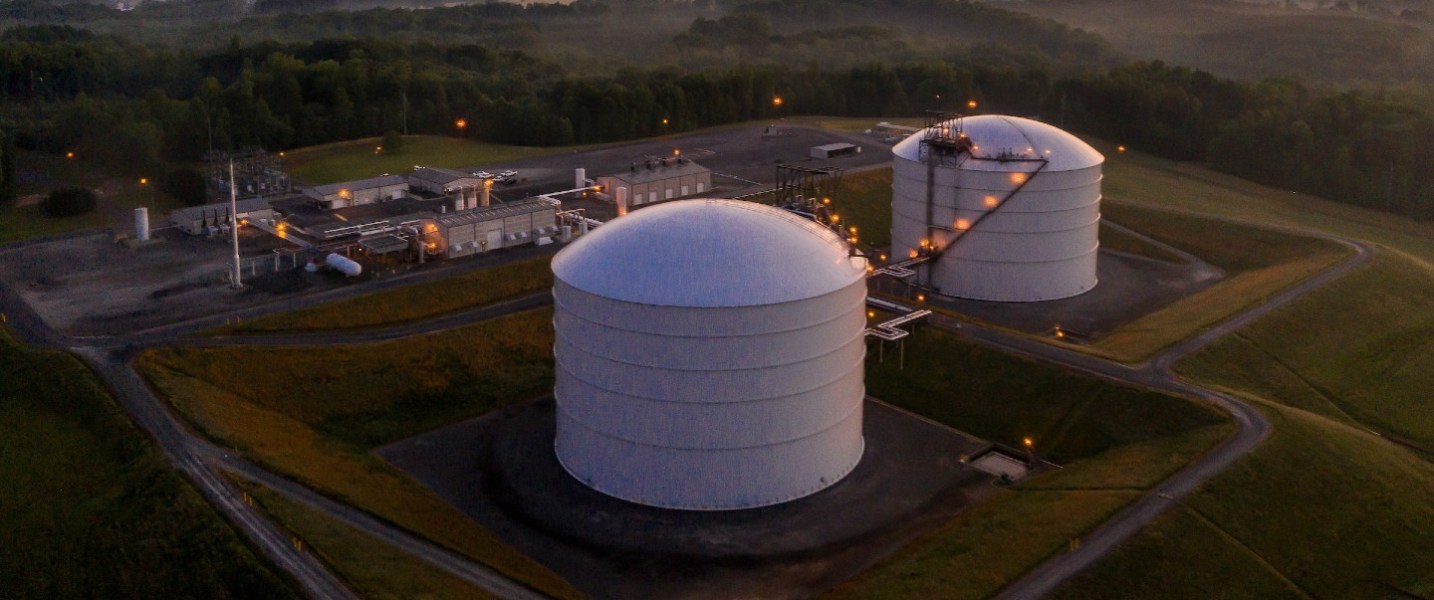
(89,507)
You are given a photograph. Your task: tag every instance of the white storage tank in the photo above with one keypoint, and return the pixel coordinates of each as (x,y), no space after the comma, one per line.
(709,356)
(1009,207)
(342,264)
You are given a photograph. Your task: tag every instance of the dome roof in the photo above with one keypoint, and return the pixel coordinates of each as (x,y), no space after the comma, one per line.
(995,135)
(709,253)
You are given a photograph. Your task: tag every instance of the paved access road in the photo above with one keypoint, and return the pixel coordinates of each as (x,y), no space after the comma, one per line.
(201,461)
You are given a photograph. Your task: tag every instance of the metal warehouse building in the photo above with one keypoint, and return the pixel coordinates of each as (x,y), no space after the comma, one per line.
(358,193)
(656,180)
(528,221)
(709,356)
(442,181)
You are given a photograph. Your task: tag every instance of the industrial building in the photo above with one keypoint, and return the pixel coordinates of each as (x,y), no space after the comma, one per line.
(442,181)
(531,221)
(211,218)
(836,150)
(358,193)
(709,356)
(656,180)
(999,208)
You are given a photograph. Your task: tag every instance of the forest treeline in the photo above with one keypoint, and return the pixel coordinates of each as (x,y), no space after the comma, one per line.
(139,107)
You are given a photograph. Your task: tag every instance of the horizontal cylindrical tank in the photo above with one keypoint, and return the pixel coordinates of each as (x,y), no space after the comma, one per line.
(1016,218)
(343,264)
(709,356)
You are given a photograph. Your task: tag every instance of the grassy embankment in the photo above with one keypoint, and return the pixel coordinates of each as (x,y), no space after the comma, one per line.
(1353,355)
(372,568)
(1321,509)
(1258,263)
(1359,351)
(1114,442)
(316,415)
(319,412)
(89,508)
(411,303)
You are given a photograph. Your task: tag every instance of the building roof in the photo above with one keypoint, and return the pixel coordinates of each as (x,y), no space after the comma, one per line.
(194,213)
(997,135)
(496,211)
(834,146)
(439,176)
(709,254)
(383,243)
(361,184)
(659,171)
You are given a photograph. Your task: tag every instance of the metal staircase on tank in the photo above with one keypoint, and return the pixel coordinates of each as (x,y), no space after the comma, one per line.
(944,145)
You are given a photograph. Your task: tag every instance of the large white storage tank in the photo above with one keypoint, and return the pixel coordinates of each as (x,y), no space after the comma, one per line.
(1009,207)
(709,356)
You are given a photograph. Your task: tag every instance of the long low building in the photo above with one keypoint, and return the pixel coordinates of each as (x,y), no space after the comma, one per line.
(442,181)
(357,193)
(209,218)
(656,180)
(502,226)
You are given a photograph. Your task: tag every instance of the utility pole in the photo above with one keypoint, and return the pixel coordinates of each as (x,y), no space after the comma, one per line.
(234,225)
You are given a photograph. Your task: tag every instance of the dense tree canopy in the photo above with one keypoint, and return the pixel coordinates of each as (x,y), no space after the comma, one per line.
(138,107)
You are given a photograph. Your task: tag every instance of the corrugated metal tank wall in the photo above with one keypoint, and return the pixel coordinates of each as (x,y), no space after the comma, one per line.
(1039,244)
(715,405)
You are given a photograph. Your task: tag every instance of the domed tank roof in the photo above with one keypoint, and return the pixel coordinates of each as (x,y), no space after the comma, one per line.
(995,135)
(709,253)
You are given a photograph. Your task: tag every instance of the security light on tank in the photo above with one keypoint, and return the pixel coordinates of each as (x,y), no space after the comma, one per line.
(1011,224)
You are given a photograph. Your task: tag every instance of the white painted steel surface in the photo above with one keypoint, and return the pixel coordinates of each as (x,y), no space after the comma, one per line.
(141,224)
(342,264)
(709,356)
(1039,244)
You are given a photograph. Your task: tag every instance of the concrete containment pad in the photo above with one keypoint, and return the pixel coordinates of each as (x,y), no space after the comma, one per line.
(500,470)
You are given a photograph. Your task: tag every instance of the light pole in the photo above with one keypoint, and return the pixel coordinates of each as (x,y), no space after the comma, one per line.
(234,281)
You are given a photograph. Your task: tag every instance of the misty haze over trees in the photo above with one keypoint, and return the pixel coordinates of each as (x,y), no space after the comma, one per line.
(164,83)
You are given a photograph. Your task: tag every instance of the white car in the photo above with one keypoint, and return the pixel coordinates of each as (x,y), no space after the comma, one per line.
(507,174)
(483,175)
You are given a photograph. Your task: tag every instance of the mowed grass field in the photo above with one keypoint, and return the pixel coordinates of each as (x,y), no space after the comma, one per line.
(1324,508)
(1320,510)
(411,303)
(316,414)
(90,509)
(1359,351)
(360,159)
(118,197)
(1258,263)
(372,568)
(1112,441)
